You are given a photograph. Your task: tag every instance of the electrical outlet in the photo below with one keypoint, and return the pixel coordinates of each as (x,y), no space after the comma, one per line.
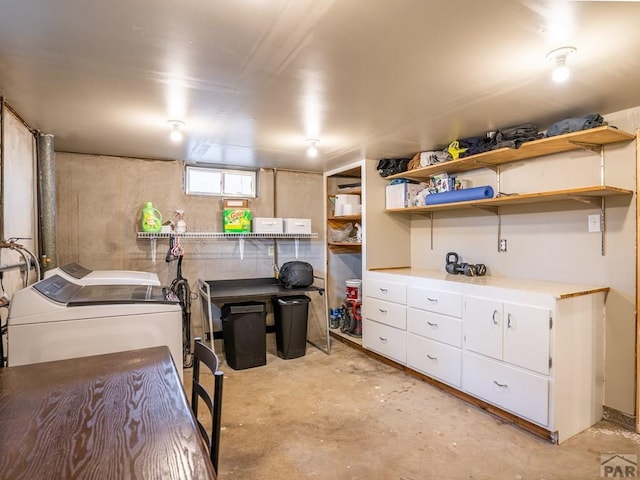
(503,245)
(593,223)
(270,251)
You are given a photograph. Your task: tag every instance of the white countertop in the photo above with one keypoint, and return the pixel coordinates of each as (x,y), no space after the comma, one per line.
(557,289)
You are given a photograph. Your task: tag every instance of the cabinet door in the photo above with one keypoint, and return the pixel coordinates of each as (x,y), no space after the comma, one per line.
(526,337)
(483,326)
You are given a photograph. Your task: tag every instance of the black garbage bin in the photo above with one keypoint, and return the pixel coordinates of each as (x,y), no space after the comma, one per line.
(244,330)
(291,315)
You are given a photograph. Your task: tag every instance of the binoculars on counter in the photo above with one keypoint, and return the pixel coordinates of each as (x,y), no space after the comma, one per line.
(454,267)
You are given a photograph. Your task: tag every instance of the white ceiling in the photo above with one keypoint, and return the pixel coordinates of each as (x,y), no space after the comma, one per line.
(253,79)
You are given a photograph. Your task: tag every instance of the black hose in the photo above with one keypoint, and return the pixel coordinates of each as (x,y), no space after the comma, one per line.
(180,287)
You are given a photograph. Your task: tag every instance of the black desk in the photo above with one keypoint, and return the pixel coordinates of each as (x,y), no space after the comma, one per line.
(217,291)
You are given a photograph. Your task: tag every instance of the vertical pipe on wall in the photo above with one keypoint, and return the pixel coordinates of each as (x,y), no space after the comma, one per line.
(47,201)
(275,214)
(1,168)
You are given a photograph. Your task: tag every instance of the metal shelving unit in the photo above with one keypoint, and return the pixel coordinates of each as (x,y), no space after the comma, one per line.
(224,235)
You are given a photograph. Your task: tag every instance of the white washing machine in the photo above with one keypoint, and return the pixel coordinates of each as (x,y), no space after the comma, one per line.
(76,273)
(55,319)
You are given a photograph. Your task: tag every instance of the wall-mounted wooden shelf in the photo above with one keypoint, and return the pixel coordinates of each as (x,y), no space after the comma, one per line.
(545,146)
(346,218)
(345,247)
(584,194)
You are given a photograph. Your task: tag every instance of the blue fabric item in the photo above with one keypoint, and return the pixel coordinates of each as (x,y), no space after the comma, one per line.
(465,195)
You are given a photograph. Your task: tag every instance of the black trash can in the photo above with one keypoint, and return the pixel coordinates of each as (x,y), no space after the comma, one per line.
(244,330)
(291,315)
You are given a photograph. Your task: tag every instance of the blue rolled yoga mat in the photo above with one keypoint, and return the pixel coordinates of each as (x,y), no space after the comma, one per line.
(464,195)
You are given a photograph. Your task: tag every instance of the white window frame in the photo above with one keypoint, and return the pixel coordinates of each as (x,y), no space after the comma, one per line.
(203,181)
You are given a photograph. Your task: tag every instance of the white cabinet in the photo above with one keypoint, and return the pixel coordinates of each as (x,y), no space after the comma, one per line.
(517,334)
(533,349)
(385,318)
(513,336)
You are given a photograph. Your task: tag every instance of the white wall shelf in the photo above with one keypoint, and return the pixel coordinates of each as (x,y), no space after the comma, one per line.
(224,235)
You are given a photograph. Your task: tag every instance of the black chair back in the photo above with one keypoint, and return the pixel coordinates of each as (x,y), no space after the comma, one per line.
(204,355)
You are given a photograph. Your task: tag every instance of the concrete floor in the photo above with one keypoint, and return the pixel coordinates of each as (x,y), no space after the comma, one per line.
(348,416)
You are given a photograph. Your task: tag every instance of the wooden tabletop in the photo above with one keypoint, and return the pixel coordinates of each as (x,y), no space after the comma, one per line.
(116,416)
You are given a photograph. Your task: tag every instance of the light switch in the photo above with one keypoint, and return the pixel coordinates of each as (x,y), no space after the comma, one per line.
(594,223)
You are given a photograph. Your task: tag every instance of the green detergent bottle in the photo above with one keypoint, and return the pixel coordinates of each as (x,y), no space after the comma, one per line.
(151,218)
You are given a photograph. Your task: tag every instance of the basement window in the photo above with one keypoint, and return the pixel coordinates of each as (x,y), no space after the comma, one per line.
(219,182)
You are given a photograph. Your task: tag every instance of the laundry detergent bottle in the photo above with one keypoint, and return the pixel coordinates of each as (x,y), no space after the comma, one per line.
(151,218)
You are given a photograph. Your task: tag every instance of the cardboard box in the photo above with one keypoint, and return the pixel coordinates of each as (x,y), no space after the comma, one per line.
(235,203)
(236,220)
(401,195)
(297,225)
(267,225)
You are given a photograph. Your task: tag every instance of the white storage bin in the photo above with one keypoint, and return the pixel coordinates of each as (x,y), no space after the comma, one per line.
(297,225)
(401,195)
(267,225)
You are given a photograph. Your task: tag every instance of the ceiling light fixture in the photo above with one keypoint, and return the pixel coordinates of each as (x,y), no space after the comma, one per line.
(559,57)
(176,132)
(312,151)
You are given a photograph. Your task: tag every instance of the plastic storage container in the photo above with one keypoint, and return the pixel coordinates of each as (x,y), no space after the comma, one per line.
(291,316)
(244,331)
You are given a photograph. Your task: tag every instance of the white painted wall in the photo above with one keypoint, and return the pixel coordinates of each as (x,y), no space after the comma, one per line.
(551,242)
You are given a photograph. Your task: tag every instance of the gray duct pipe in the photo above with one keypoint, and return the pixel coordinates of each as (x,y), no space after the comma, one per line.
(47,201)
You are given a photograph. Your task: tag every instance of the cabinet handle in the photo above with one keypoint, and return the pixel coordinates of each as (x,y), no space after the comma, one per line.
(508,320)
(432,324)
(493,317)
(384,290)
(383,340)
(432,300)
(431,358)
(382,310)
(501,385)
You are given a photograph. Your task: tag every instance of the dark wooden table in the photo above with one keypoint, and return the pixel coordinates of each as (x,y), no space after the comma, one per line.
(116,416)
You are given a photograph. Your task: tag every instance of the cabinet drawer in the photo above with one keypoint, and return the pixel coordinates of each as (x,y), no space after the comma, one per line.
(389,313)
(437,301)
(385,340)
(523,393)
(435,359)
(437,327)
(390,291)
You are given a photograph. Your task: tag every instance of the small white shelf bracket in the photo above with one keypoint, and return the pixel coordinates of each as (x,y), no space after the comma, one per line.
(153,249)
